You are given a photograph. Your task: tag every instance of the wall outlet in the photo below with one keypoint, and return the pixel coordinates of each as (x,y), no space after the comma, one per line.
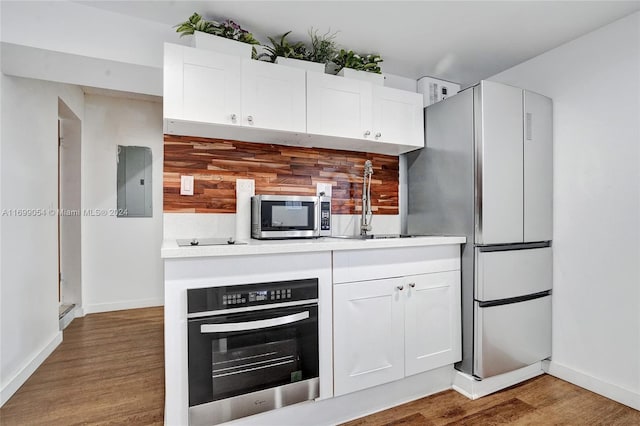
(323,187)
(186,185)
(246,185)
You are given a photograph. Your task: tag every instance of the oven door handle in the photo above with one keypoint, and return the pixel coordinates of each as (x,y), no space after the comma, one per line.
(253,325)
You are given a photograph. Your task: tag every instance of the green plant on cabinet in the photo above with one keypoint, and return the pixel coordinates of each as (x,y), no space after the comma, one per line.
(284,49)
(227,29)
(350,59)
(323,47)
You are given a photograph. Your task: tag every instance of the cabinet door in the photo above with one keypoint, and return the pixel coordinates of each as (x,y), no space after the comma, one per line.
(172,93)
(538,167)
(273,96)
(432,321)
(211,87)
(499,153)
(368,334)
(338,106)
(398,116)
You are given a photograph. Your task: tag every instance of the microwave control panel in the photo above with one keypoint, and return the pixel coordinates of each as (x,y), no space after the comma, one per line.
(325,218)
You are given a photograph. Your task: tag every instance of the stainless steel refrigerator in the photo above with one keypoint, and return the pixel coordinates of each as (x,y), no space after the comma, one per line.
(486,172)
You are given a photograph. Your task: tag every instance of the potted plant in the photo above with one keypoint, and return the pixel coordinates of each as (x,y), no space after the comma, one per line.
(221,37)
(323,49)
(364,67)
(284,52)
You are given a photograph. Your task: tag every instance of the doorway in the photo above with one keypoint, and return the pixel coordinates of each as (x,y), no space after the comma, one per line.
(69,215)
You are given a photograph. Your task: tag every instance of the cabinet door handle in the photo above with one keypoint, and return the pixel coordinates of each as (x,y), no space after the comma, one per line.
(412,285)
(367,133)
(400,287)
(378,135)
(233,118)
(250,119)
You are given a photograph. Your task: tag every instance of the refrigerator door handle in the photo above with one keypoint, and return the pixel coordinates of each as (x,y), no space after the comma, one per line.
(518,246)
(528,131)
(510,300)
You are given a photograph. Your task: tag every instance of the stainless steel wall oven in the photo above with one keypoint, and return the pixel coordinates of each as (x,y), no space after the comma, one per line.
(251,348)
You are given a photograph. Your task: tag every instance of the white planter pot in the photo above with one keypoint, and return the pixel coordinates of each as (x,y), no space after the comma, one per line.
(299,63)
(218,44)
(377,79)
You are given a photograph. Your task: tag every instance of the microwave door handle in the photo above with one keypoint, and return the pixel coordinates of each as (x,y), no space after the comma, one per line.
(316,206)
(253,325)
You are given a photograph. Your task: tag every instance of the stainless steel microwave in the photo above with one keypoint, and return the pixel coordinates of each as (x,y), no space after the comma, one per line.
(290,216)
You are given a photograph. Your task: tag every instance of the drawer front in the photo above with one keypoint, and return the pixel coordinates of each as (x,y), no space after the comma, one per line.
(377,263)
(511,336)
(512,273)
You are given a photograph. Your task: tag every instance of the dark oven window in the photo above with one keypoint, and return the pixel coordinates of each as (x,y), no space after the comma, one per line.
(223,365)
(287,215)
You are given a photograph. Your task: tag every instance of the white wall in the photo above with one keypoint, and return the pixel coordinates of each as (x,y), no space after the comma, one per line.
(595,85)
(70,160)
(73,43)
(28,251)
(121,265)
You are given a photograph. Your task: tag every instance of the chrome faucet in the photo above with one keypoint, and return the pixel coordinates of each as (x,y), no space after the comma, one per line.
(367,214)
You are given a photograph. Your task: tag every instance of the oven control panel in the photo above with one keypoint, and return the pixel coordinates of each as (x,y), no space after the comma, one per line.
(235,296)
(280,294)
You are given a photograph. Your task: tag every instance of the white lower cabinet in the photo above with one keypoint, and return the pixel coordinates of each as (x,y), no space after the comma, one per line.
(432,321)
(390,328)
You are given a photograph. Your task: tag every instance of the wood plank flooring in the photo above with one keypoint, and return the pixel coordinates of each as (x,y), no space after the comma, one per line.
(543,400)
(110,370)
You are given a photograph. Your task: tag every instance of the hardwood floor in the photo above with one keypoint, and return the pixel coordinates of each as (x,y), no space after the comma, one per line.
(110,370)
(544,400)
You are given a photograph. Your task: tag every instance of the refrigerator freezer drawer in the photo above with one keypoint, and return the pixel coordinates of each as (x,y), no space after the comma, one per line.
(512,273)
(511,336)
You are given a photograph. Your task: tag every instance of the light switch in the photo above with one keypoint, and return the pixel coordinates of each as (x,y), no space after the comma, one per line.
(186,185)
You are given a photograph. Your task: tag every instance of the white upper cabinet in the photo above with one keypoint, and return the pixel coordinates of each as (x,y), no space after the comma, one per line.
(398,116)
(273,96)
(210,87)
(201,85)
(215,95)
(338,106)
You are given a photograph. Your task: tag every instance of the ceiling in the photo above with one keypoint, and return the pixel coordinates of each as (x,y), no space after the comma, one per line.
(459,41)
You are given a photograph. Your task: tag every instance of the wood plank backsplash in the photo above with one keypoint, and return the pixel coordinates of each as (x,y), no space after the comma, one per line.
(215,165)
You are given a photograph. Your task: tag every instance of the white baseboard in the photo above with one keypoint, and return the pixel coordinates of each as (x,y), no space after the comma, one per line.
(119,306)
(473,389)
(25,372)
(606,389)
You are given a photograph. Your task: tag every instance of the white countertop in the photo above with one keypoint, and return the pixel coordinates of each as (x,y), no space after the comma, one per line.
(171,250)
